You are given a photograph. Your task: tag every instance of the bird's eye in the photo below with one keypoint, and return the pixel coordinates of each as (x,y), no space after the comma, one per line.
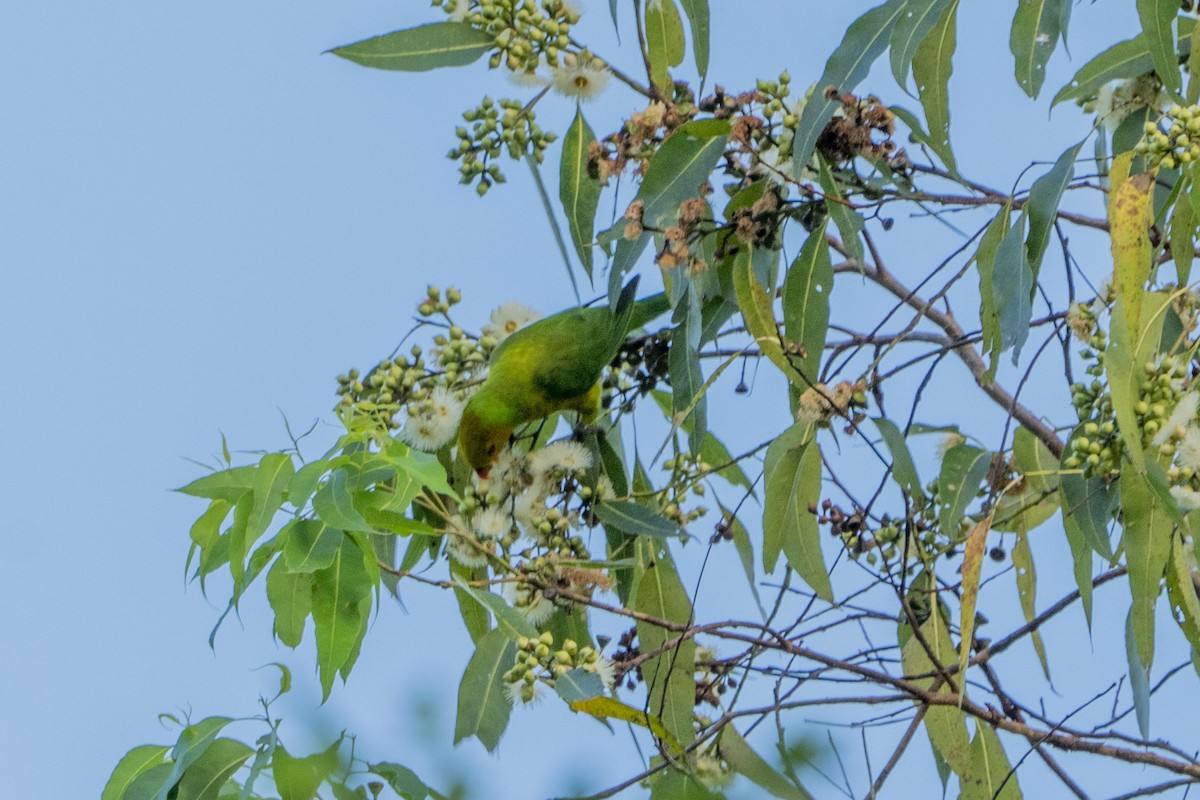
(492,449)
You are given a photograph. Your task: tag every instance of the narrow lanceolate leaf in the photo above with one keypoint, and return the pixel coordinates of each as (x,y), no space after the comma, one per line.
(204,779)
(945,724)
(1035,30)
(669,675)
(664,42)
(132,764)
(228,484)
(1182,586)
(904,469)
(1158,26)
(1183,236)
(932,66)
(849,222)
(1022,559)
(483,709)
(1139,678)
(697,14)
(990,777)
(341,597)
(963,469)
(1147,538)
(1126,59)
(1012,289)
(806,290)
(972,568)
(290,596)
(743,759)
(1130,215)
(758,311)
(612,708)
(688,400)
(793,487)
(507,617)
(865,40)
(637,520)
(578,191)
(985,263)
(1042,207)
(914,24)
(439,44)
(1085,519)
(674,174)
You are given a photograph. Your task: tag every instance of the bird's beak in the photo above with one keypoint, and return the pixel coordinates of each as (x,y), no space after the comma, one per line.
(483,472)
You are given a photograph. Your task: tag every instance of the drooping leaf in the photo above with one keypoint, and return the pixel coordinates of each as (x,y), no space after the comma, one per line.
(1022,559)
(972,566)
(683,363)
(1158,26)
(1012,289)
(299,778)
(193,742)
(1147,544)
(806,290)
(849,222)
(757,309)
(401,779)
(1126,59)
(911,28)
(134,763)
(1183,234)
(578,191)
(637,520)
(932,66)
(990,777)
(1036,28)
(792,474)
(439,44)
(985,262)
(341,599)
(203,779)
(963,469)
(668,675)
(228,484)
(904,469)
(745,550)
(945,724)
(483,709)
(743,759)
(1042,207)
(1130,214)
(674,174)
(290,596)
(1139,678)
(698,21)
(507,617)
(612,708)
(865,40)
(1182,587)
(664,42)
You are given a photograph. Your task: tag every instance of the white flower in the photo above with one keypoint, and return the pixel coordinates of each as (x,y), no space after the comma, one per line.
(521,693)
(465,552)
(562,456)
(1188,452)
(510,473)
(491,523)
(532,604)
(1181,417)
(1188,499)
(444,405)
(528,509)
(604,489)
(426,432)
(527,79)
(507,319)
(583,79)
(607,671)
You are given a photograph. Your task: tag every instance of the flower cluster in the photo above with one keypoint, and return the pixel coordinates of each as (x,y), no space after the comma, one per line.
(525,34)
(537,663)
(495,126)
(687,474)
(1174,139)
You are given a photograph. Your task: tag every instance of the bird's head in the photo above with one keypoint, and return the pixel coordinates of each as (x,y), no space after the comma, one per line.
(479,441)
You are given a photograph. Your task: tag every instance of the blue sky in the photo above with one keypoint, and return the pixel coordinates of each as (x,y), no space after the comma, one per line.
(204,221)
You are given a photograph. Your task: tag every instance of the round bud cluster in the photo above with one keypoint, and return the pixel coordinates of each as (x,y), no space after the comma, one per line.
(1174,140)
(525,33)
(773,94)
(538,660)
(495,126)
(688,471)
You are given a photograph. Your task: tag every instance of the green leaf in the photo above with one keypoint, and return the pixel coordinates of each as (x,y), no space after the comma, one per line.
(757,307)
(793,487)
(1085,519)
(946,725)
(439,44)
(1183,236)
(205,778)
(849,222)
(742,758)
(150,783)
(299,778)
(848,65)
(304,483)
(1147,544)
(745,550)
(335,506)
(1158,19)
(290,596)
(271,481)
(1035,30)
(578,684)
(914,25)
(669,675)
(341,600)
(673,174)
(474,615)
(1126,59)
(683,364)
(963,469)
(664,43)
(1012,289)
(483,709)
(507,617)
(985,262)
(403,780)
(637,520)
(228,484)
(424,468)
(134,763)
(193,742)
(697,14)
(904,469)
(806,290)
(1042,207)
(1181,588)
(932,66)
(578,191)
(1139,678)
(206,535)
(310,545)
(1022,559)
(990,776)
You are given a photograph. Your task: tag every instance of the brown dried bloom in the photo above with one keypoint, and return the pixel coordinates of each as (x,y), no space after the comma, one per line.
(862,128)
(692,211)
(636,211)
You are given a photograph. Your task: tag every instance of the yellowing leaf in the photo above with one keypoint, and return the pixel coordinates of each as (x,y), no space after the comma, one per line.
(611,708)
(972,567)
(1129,216)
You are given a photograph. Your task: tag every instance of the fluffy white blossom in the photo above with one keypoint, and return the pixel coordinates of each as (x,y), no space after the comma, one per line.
(521,693)
(508,318)
(436,423)
(527,509)
(534,606)
(584,79)
(606,670)
(464,551)
(491,523)
(1188,499)
(562,456)
(1188,452)
(1181,417)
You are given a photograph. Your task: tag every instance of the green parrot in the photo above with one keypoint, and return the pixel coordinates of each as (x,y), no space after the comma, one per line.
(550,365)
